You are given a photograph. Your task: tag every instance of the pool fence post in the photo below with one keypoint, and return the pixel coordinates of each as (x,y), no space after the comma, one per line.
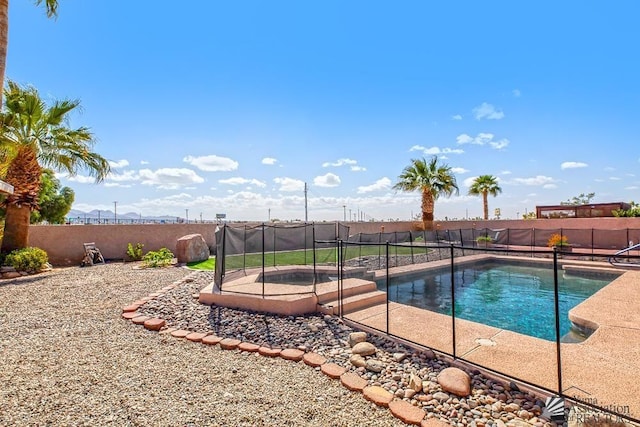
(224,254)
(274,245)
(244,249)
(379,254)
(340,277)
(411,246)
(453,303)
(533,240)
(313,245)
(557,310)
(387,274)
(263,260)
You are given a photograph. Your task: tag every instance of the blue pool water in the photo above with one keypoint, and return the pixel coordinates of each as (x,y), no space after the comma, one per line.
(508,296)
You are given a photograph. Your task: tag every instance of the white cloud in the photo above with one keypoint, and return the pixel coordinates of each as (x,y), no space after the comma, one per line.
(459,170)
(483,138)
(169,178)
(549,186)
(614,178)
(436,150)
(128,175)
(144,162)
(468,182)
(487,111)
(269,161)
(118,163)
(505,173)
(81,179)
(536,180)
(463,138)
(117,184)
(240,181)
(358,168)
(516,93)
(633,187)
(289,184)
(573,165)
(456,117)
(212,163)
(381,184)
(340,162)
(499,145)
(327,180)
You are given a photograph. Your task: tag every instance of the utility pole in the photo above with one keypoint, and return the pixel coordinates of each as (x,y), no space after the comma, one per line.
(269,217)
(115,212)
(187,215)
(344,208)
(200,217)
(306,217)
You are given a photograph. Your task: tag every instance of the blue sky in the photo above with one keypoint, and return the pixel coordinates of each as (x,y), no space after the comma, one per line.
(230,107)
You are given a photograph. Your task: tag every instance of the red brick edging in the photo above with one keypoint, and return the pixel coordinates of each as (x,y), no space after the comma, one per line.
(400,409)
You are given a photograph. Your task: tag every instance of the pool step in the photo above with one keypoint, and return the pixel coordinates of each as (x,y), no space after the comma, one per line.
(356,295)
(328,292)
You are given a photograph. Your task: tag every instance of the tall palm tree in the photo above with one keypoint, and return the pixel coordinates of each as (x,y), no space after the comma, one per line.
(432,180)
(34,135)
(485,185)
(52,12)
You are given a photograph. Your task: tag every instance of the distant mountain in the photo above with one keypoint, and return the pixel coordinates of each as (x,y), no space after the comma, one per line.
(107,214)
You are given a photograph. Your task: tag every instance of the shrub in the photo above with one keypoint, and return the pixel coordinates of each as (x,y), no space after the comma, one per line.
(27,259)
(484,239)
(135,252)
(160,258)
(557,240)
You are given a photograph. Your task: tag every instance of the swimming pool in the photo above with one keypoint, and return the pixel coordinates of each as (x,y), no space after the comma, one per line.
(505,295)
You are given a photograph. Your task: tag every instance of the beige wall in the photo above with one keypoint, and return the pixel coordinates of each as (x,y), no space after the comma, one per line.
(63,243)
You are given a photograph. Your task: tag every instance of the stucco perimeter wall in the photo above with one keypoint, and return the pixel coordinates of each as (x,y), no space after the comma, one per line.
(64,243)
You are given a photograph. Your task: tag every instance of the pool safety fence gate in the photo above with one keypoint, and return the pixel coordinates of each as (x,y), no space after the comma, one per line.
(555,364)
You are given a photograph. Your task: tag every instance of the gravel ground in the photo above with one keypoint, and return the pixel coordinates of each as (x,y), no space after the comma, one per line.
(68,358)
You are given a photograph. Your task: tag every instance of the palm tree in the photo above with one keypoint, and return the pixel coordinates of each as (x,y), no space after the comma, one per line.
(34,135)
(52,12)
(485,185)
(432,180)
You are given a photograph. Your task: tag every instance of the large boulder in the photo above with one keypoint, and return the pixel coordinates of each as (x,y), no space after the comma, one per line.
(192,248)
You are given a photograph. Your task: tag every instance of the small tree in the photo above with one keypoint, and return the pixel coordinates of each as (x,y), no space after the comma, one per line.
(485,185)
(36,135)
(581,199)
(432,180)
(54,202)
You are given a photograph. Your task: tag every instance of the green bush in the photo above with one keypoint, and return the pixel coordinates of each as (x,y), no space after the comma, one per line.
(27,259)
(135,252)
(160,258)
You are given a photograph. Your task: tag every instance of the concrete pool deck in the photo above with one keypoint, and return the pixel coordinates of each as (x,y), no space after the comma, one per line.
(603,370)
